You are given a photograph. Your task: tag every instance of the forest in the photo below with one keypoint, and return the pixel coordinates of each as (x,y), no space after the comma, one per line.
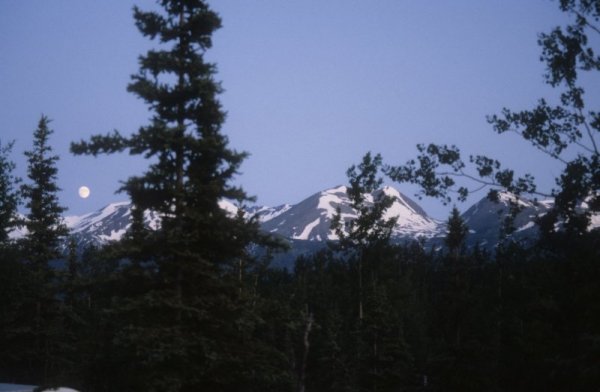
(189,306)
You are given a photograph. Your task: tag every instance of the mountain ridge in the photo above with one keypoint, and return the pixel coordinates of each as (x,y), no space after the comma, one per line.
(310,219)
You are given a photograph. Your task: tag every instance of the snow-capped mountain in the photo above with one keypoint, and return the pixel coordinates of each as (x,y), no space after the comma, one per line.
(265,214)
(311,218)
(309,221)
(486,217)
(107,224)
(111,222)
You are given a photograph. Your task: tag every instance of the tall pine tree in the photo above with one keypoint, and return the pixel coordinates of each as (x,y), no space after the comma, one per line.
(456,233)
(41,246)
(45,228)
(9,196)
(187,326)
(11,270)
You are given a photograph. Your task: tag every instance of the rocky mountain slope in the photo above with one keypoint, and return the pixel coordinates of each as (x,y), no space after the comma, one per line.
(307,224)
(485,219)
(311,218)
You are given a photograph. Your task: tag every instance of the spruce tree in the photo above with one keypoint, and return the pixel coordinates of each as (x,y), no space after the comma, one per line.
(41,246)
(12,273)
(45,228)
(185,321)
(456,232)
(9,196)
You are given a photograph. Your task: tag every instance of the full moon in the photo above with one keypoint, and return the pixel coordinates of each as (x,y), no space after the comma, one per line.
(84,192)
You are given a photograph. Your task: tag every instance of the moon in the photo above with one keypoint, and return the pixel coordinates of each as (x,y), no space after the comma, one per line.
(84,192)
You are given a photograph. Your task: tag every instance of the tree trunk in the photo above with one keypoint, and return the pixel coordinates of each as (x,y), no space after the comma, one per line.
(360,289)
(302,374)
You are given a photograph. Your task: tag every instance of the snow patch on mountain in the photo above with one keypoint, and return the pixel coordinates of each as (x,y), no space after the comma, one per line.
(305,234)
(594,221)
(229,207)
(411,218)
(330,199)
(264,213)
(526,226)
(507,198)
(114,235)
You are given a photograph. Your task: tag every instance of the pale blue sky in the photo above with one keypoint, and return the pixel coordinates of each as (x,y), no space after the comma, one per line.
(310,85)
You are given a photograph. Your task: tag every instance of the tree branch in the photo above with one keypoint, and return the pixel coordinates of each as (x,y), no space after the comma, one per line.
(589,132)
(539,147)
(483,182)
(591,26)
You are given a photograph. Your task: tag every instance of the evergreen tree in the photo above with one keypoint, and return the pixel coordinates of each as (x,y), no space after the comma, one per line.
(186,320)
(9,196)
(13,280)
(41,246)
(45,228)
(456,232)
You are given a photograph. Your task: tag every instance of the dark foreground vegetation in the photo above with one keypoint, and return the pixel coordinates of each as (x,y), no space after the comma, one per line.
(387,318)
(187,307)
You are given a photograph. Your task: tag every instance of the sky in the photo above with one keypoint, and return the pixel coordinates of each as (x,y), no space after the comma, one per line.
(310,86)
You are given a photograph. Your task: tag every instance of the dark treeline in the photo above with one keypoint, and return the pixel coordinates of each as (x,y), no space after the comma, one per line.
(189,307)
(524,320)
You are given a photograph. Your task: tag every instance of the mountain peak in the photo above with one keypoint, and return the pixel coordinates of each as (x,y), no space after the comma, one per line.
(311,218)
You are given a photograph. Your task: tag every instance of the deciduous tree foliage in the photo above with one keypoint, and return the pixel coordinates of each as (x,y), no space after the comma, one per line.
(369,229)
(370,226)
(567,131)
(380,358)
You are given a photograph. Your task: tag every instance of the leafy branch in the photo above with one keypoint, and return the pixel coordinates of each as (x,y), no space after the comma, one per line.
(437,169)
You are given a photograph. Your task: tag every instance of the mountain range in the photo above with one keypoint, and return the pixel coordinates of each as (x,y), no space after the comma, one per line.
(307,224)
